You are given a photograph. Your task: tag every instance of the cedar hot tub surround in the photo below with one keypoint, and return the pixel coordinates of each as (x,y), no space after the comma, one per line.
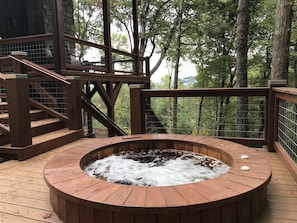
(236,196)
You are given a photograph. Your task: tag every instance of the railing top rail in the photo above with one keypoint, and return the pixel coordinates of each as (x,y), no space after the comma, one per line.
(126,54)
(30,38)
(99,46)
(207,92)
(42,70)
(84,42)
(288,94)
(285,90)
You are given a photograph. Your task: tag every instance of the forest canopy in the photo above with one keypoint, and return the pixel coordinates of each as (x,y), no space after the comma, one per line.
(202,32)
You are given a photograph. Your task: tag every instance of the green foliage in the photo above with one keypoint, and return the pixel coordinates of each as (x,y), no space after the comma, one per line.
(122,108)
(86,17)
(208,41)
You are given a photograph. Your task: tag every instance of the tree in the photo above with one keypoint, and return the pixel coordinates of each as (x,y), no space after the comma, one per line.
(281,40)
(177,60)
(87,13)
(242,30)
(242,33)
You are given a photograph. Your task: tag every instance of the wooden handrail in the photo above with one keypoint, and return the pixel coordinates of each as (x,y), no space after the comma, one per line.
(61,79)
(48,110)
(95,45)
(84,42)
(100,116)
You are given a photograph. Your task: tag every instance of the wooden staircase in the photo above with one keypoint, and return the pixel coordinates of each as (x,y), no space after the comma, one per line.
(47,133)
(56,103)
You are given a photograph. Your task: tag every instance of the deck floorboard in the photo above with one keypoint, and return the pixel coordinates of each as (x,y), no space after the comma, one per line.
(24,196)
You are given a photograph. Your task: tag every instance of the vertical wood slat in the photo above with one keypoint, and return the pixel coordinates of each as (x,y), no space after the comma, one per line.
(123,217)
(228,213)
(62,208)
(256,203)
(169,218)
(191,217)
(54,200)
(146,218)
(86,214)
(244,210)
(72,212)
(211,215)
(103,216)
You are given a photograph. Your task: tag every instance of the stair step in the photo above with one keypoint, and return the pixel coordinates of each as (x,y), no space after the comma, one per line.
(37,115)
(43,143)
(43,126)
(34,115)
(54,135)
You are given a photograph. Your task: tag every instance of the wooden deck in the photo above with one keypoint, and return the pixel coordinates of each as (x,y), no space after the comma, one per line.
(24,196)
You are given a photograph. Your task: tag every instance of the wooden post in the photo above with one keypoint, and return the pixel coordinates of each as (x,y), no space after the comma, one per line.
(58,34)
(137,65)
(19,110)
(17,67)
(137,109)
(107,36)
(272,114)
(73,93)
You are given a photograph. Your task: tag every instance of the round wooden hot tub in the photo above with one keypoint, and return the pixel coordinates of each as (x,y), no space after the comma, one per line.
(237,196)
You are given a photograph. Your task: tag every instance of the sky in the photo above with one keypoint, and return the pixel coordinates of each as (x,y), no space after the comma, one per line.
(187,69)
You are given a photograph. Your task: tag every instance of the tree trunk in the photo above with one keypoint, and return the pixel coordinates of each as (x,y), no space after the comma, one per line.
(281,40)
(242,30)
(177,60)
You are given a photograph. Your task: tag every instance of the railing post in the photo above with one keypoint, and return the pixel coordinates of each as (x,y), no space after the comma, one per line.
(19,109)
(17,67)
(137,112)
(272,113)
(58,35)
(73,93)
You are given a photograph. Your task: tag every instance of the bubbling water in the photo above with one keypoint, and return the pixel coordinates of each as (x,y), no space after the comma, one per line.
(156,168)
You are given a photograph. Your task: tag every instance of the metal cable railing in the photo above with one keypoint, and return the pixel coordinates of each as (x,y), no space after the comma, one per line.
(47,92)
(287,128)
(211,116)
(39,48)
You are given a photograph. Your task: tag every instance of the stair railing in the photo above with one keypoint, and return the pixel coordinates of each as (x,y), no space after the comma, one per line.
(40,88)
